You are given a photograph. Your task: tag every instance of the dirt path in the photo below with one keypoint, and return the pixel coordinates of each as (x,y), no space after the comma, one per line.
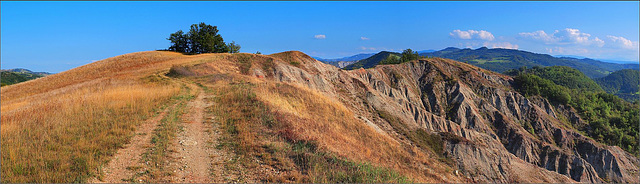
(194,144)
(195,160)
(116,170)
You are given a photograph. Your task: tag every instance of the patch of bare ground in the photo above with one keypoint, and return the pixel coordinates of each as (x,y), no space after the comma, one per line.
(194,151)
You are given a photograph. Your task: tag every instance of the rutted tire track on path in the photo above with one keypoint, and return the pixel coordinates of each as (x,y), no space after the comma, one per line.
(116,170)
(193,144)
(193,159)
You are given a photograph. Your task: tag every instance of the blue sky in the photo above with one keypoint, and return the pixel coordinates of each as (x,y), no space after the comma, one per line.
(57,36)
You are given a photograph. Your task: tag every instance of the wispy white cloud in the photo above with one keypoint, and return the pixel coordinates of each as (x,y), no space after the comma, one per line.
(621,42)
(320,36)
(563,37)
(568,41)
(472,34)
(539,36)
(364,38)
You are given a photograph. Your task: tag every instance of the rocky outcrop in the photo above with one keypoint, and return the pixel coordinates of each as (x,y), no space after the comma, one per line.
(511,138)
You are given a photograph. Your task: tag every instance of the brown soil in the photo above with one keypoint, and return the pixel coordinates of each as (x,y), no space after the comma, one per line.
(194,144)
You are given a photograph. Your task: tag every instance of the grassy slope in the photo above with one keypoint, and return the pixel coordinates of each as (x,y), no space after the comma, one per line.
(301,133)
(63,127)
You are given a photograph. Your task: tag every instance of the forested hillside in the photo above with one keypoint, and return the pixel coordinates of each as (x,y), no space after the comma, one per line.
(607,118)
(14,76)
(623,83)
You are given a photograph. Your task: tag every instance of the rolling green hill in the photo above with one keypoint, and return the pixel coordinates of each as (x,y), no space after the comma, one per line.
(561,75)
(623,83)
(19,75)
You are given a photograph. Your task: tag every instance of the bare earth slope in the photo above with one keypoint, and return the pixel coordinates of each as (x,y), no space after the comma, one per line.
(481,108)
(506,131)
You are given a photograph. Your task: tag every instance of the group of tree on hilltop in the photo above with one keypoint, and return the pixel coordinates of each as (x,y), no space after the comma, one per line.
(407,55)
(201,38)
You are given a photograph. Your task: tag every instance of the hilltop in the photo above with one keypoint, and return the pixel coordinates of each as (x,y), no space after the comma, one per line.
(288,117)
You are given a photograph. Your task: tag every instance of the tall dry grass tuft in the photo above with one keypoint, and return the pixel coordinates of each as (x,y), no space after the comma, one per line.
(67,136)
(313,116)
(125,66)
(62,127)
(308,137)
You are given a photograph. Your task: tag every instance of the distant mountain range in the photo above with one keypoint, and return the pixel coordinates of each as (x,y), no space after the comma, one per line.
(622,81)
(22,70)
(604,60)
(619,62)
(426,51)
(372,61)
(17,75)
(349,58)
(500,60)
(345,61)
(360,56)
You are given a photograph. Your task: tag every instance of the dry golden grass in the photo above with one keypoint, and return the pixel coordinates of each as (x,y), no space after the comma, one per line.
(313,116)
(63,127)
(66,138)
(249,105)
(126,67)
(292,129)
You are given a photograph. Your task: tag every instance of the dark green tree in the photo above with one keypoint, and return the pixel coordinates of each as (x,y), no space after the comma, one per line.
(179,42)
(233,47)
(408,55)
(611,120)
(205,39)
(201,38)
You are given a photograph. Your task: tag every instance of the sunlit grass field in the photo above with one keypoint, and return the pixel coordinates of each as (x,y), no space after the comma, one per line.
(61,128)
